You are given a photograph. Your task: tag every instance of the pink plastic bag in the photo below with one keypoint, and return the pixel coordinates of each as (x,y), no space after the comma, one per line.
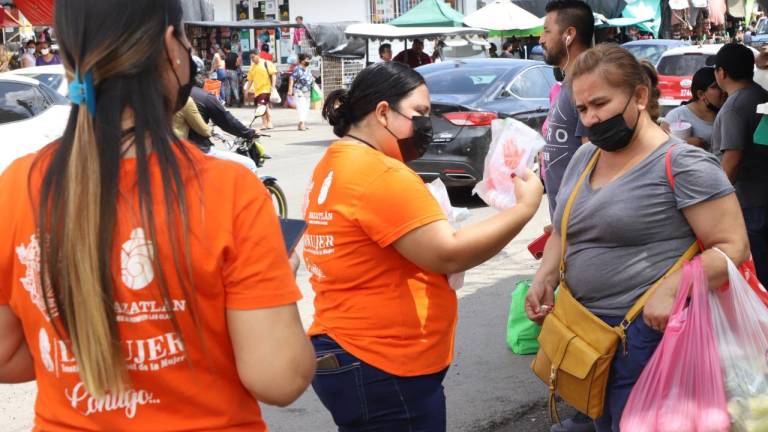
(741,329)
(681,388)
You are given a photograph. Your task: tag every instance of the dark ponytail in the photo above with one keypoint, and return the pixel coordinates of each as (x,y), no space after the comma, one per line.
(382,82)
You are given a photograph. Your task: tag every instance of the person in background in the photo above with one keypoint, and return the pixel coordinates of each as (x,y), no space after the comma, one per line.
(218,67)
(414,56)
(47,57)
(188,119)
(493,50)
(28,58)
(5,58)
(506,50)
(744,161)
(379,248)
(261,79)
(437,54)
(264,53)
(628,224)
(385,52)
(232,79)
(298,35)
(653,108)
(300,88)
(748,35)
(700,110)
(568,31)
(161,228)
(761,67)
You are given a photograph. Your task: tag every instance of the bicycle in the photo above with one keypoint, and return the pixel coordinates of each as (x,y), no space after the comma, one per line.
(252,149)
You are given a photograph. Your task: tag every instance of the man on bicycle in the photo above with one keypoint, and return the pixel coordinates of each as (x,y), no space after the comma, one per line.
(212,110)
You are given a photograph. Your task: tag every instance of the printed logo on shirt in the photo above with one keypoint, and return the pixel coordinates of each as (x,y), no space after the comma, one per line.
(56,356)
(44,342)
(136,261)
(305,203)
(29,257)
(128,401)
(153,354)
(325,188)
(319,244)
(149,310)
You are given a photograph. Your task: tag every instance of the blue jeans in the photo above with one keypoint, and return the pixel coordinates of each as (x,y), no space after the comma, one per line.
(626,369)
(757,229)
(362,398)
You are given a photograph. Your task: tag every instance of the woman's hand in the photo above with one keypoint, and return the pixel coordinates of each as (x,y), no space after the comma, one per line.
(540,299)
(659,307)
(528,190)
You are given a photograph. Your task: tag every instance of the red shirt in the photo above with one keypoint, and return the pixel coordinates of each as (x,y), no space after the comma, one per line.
(413,59)
(266,56)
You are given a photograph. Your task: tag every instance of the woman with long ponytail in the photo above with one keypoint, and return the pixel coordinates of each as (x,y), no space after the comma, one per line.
(136,273)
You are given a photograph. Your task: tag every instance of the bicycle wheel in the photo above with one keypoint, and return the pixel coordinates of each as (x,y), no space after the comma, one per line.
(278,199)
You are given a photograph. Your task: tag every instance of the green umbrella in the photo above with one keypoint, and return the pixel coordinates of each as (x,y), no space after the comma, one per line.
(430,13)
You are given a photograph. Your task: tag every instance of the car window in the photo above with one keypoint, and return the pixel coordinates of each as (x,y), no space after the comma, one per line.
(465,51)
(762,27)
(462,80)
(53,81)
(682,65)
(20,101)
(531,84)
(652,53)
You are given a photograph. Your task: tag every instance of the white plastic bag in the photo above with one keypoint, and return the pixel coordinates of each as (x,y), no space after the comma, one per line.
(513,149)
(455,216)
(740,321)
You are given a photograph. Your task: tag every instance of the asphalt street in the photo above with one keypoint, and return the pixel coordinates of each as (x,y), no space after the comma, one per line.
(488,387)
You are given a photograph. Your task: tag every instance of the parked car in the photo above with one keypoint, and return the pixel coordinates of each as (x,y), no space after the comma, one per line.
(652,49)
(466,96)
(676,68)
(53,76)
(464,49)
(31,116)
(760,35)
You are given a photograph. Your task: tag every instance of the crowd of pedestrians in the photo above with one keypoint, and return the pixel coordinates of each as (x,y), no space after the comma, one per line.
(139,275)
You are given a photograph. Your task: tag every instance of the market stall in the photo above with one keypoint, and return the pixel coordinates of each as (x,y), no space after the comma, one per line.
(430,13)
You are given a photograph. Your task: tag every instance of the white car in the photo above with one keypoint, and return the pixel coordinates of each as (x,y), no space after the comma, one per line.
(53,76)
(31,117)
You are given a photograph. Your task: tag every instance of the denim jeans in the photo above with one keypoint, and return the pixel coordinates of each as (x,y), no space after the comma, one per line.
(231,87)
(626,369)
(757,229)
(362,398)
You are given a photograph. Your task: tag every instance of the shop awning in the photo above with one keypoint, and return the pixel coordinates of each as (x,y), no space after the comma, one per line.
(602,22)
(430,13)
(37,12)
(246,24)
(390,32)
(503,15)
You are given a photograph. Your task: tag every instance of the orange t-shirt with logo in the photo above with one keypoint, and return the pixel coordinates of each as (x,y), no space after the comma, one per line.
(375,303)
(238,262)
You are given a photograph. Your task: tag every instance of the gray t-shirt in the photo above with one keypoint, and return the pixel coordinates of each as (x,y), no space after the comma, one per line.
(625,235)
(563,137)
(734,127)
(701,129)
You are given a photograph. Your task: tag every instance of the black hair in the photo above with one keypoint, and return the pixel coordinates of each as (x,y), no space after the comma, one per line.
(384,47)
(304,56)
(382,82)
(506,45)
(30,42)
(493,46)
(265,48)
(228,46)
(577,14)
(701,81)
(299,17)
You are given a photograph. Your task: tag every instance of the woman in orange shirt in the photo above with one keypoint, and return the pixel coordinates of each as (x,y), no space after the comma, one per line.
(137,274)
(379,249)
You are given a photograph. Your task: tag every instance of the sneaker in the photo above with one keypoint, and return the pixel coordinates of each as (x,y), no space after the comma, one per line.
(578,423)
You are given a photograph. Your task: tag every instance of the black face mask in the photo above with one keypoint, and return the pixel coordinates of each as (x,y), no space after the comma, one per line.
(184,89)
(414,146)
(559,74)
(613,134)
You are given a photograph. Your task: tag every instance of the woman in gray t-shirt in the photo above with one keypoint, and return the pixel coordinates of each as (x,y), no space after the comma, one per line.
(700,111)
(628,225)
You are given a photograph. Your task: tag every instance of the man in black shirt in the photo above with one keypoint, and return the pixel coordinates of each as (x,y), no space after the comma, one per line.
(232,81)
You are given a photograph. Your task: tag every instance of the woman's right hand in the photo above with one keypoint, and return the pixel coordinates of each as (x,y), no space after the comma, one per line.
(528,190)
(540,299)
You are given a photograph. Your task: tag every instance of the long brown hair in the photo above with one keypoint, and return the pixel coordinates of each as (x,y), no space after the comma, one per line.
(121,44)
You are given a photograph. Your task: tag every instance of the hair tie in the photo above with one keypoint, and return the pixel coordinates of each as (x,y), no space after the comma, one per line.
(82,90)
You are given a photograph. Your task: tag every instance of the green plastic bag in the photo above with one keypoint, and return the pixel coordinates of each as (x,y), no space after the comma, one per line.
(316,96)
(522,333)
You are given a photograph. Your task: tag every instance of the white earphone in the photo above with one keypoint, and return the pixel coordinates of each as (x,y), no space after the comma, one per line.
(567,40)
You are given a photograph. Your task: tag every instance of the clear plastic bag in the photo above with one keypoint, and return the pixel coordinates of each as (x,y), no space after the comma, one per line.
(741,328)
(513,149)
(681,387)
(455,216)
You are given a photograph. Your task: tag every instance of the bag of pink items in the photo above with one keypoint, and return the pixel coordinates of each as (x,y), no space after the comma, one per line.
(741,329)
(513,149)
(681,388)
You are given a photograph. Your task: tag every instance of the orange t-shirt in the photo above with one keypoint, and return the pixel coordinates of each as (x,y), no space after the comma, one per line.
(375,303)
(238,260)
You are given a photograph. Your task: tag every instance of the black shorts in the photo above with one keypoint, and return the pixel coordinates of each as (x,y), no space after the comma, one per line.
(262,99)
